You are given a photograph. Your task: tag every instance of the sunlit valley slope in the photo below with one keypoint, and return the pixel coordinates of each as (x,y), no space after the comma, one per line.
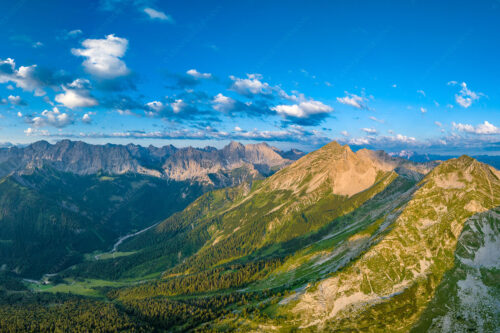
(335,241)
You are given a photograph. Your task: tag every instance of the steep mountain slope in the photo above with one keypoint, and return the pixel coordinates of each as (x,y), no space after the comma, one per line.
(50,218)
(391,283)
(229,166)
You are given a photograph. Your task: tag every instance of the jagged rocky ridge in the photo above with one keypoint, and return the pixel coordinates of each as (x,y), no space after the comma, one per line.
(201,164)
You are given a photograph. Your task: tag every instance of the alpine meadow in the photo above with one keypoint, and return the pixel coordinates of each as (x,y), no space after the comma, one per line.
(249,166)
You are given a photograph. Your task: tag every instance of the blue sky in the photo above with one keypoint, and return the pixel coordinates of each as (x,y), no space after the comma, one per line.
(393,75)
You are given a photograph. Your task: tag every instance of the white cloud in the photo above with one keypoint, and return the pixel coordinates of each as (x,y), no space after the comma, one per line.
(438,124)
(33,131)
(359,141)
(125,112)
(104,56)
(237,129)
(157,15)
(466,97)
(369,130)
(423,110)
(377,120)
(452,83)
(353,100)
(194,73)
(37,45)
(223,103)
(178,105)
(303,110)
(51,118)
(16,100)
(155,106)
(421,92)
(344,133)
(74,33)
(24,77)
(403,138)
(86,118)
(76,95)
(19,114)
(484,128)
(382,141)
(252,85)
(394,85)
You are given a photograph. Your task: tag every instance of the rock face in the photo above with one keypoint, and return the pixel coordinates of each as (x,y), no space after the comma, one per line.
(169,162)
(346,172)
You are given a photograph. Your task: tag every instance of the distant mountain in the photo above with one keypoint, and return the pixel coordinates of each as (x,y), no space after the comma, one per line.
(493,160)
(208,165)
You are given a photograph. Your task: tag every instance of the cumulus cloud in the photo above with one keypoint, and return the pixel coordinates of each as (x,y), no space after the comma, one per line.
(34,131)
(157,15)
(484,128)
(378,142)
(194,73)
(156,106)
(353,100)
(16,100)
(76,95)
(252,85)
(223,103)
(30,78)
(465,96)
(178,105)
(103,56)
(369,130)
(52,117)
(423,110)
(308,112)
(86,118)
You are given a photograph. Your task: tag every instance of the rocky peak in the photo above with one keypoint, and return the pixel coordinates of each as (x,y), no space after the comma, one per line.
(338,168)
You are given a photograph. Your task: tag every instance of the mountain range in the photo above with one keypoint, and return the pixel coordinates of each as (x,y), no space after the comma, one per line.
(335,241)
(208,165)
(493,160)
